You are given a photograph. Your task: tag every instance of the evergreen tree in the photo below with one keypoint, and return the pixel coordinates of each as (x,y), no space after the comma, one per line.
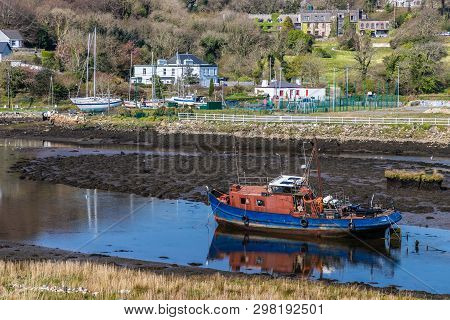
(211,88)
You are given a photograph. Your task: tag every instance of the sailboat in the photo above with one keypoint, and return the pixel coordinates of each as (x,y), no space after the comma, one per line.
(94,103)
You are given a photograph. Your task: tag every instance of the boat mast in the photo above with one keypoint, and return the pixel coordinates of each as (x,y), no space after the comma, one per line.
(95,61)
(153,80)
(87,65)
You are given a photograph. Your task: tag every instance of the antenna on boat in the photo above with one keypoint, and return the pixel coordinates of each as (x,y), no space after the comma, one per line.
(281,164)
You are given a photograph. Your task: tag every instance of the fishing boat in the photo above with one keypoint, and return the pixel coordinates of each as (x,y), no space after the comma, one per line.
(94,103)
(190,100)
(289,205)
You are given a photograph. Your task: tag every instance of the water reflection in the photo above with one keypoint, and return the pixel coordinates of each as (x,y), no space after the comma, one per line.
(305,258)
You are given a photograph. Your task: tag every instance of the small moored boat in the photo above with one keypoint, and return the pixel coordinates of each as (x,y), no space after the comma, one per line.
(288,205)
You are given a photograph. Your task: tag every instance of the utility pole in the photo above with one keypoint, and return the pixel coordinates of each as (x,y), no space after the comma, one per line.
(9,86)
(398,86)
(270,69)
(346,82)
(131,73)
(334,88)
(153,80)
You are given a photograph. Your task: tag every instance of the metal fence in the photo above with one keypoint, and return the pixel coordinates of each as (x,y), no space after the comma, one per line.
(309,119)
(328,104)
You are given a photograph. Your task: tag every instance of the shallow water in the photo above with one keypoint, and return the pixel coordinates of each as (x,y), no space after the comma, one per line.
(183,232)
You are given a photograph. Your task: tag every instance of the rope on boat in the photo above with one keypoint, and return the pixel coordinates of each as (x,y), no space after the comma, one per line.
(394,223)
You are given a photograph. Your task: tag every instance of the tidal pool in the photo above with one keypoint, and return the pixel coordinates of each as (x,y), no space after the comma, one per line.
(184,232)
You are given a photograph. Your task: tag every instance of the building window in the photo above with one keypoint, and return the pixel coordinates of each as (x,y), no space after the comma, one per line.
(362,25)
(173,71)
(281,93)
(144,71)
(297,92)
(164,71)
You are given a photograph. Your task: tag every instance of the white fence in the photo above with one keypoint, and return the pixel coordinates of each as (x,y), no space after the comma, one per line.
(307,119)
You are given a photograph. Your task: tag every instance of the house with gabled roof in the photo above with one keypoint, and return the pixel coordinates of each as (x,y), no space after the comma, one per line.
(277,89)
(177,68)
(13,37)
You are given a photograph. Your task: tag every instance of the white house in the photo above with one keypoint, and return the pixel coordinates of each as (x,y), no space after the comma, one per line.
(13,37)
(5,50)
(173,70)
(289,91)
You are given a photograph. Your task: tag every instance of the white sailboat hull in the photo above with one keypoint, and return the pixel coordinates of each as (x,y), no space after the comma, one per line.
(91,104)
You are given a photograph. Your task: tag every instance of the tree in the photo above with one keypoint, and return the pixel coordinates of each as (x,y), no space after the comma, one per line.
(211,88)
(307,68)
(41,83)
(363,54)
(287,25)
(299,42)
(419,66)
(17,79)
(349,37)
(212,45)
(424,27)
(159,87)
(190,77)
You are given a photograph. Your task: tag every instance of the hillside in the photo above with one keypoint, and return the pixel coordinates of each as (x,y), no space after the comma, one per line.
(218,31)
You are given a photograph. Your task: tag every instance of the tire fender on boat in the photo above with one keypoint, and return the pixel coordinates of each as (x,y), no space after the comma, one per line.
(246,220)
(304,223)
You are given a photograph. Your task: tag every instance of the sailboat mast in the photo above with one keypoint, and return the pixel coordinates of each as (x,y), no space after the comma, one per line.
(95,61)
(87,65)
(153,80)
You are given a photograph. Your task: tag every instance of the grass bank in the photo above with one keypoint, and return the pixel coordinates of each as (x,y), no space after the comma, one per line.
(85,280)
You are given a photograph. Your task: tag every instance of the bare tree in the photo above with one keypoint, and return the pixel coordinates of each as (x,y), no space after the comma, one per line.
(363,54)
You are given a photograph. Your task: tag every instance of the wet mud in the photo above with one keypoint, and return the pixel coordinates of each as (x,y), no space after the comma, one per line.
(185,176)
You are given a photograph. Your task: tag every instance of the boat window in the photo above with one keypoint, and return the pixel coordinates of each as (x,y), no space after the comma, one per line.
(243,200)
(260,203)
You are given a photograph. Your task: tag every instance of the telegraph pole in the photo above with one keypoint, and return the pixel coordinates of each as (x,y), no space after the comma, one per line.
(398,86)
(346,82)
(9,86)
(334,88)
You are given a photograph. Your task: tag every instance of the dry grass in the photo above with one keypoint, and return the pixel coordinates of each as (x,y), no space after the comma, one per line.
(31,280)
(405,175)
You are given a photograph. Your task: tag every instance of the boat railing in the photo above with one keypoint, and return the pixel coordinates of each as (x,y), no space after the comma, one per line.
(254,180)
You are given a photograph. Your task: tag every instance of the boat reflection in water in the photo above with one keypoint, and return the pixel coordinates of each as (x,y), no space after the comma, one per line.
(305,258)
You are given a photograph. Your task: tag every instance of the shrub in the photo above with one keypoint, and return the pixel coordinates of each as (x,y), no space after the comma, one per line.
(322,53)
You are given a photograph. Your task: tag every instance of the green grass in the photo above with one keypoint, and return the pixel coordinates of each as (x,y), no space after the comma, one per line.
(340,59)
(405,175)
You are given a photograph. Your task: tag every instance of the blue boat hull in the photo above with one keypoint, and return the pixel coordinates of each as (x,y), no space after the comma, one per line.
(285,224)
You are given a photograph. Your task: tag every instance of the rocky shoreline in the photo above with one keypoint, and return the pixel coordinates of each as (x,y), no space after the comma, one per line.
(221,137)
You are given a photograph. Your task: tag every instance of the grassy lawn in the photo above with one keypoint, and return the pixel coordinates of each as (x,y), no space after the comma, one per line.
(73,280)
(342,58)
